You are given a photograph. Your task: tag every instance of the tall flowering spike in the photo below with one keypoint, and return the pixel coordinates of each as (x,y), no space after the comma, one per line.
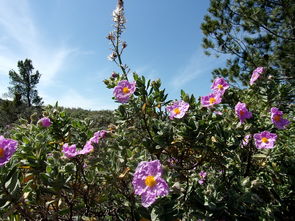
(177,109)
(211,100)
(124,90)
(7,149)
(242,112)
(256,74)
(118,15)
(277,118)
(69,151)
(220,85)
(44,122)
(148,183)
(265,140)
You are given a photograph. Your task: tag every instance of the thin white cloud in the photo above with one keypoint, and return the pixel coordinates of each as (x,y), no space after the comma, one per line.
(197,65)
(21,38)
(148,72)
(15,19)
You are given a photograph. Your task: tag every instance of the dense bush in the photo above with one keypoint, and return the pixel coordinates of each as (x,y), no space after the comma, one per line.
(99,119)
(211,158)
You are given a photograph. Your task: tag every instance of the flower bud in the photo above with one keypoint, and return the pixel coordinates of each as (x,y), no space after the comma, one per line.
(45,122)
(111,36)
(114,75)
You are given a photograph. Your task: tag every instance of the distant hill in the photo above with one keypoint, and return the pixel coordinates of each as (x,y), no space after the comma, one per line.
(10,113)
(101,119)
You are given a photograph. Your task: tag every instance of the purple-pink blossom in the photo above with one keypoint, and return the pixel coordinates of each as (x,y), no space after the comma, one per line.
(277,118)
(7,149)
(265,140)
(218,113)
(88,148)
(242,112)
(202,175)
(69,151)
(148,182)
(177,109)
(124,90)
(256,74)
(219,86)
(211,99)
(246,140)
(45,122)
(98,135)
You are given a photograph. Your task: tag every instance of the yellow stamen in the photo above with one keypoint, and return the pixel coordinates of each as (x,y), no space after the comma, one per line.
(150,181)
(264,140)
(176,110)
(125,90)
(212,100)
(277,118)
(1,152)
(220,86)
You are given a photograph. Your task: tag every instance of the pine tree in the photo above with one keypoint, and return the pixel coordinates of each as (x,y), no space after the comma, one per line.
(24,83)
(253,33)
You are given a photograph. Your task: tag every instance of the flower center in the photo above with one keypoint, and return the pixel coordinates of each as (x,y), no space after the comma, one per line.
(1,152)
(150,181)
(277,118)
(264,140)
(176,110)
(125,90)
(212,100)
(220,86)
(242,113)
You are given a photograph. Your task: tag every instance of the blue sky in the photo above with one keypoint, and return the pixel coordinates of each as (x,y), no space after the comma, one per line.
(66,41)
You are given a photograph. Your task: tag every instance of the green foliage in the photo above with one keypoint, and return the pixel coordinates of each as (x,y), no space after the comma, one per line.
(242,182)
(43,184)
(100,119)
(12,111)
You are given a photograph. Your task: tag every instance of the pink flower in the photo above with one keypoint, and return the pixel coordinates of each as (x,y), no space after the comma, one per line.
(148,182)
(277,118)
(124,90)
(211,99)
(246,140)
(7,149)
(256,74)
(177,109)
(265,140)
(69,151)
(88,148)
(219,86)
(98,135)
(242,112)
(202,175)
(44,122)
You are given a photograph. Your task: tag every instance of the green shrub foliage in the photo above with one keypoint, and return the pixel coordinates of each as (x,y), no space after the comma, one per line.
(242,182)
